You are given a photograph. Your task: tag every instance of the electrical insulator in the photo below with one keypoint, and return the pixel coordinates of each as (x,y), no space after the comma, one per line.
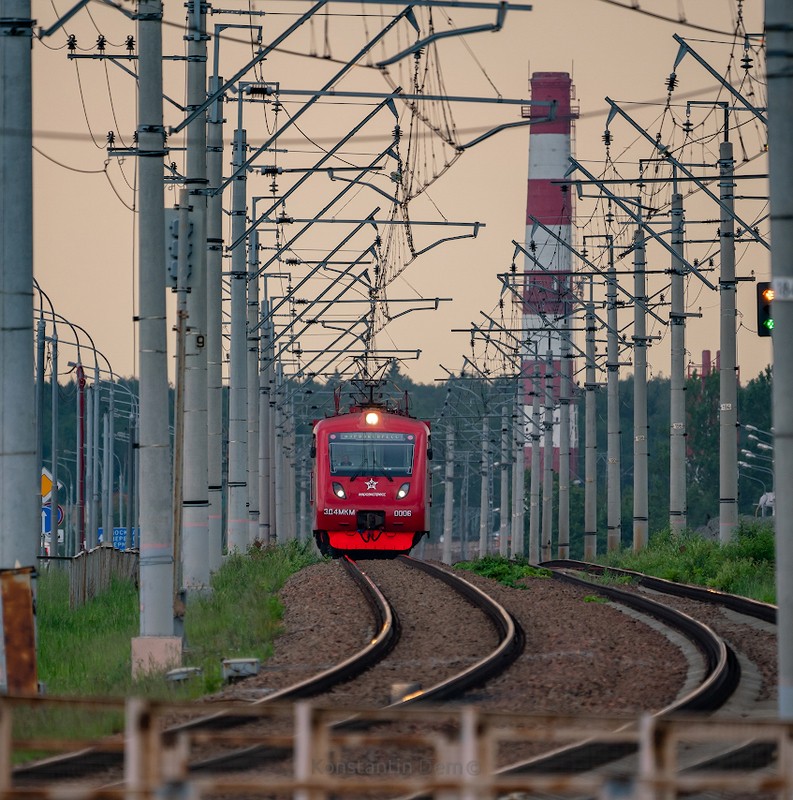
(688,126)
(533,246)
(746,62)
(111,138)
(71,42)
(101,43)
(671,82)
(130,43)
(607,137)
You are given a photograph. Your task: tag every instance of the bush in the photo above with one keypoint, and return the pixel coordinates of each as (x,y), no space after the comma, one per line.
(510,573)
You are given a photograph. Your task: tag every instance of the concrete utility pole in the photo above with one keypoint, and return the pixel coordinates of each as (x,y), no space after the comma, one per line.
(448,495)
(518,475)
(565,364)
(237,523)
(547,453)
(20,486)
(55,499)
(107,481)
(506,456)
(779,38)
(265,465)
(90,522)
(252,348)
(728,374)
(39,427)
(214,330)
(484,472)
(279,463)
(534,485)
(677,430)
(195,500)
(96,511)
(613,469)
(590,436)
(640,428)
(157,646)
(182,289)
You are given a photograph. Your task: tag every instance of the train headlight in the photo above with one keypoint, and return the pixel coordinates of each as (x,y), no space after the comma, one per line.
(403,491)
(372,418)
(338,490)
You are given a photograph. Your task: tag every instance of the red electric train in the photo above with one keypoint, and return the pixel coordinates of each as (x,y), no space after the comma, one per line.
(370,482)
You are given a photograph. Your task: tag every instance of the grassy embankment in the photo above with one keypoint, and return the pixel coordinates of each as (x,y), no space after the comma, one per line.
(745,566)
(86,652)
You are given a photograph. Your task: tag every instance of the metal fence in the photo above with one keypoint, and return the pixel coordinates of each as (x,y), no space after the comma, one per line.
(449,754)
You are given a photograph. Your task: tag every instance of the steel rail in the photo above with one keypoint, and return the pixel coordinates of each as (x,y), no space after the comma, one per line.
(722,677)
(510,646)
(743,605)
(387,623)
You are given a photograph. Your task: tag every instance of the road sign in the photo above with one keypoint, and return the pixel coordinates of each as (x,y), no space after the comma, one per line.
(46,518)
(46,483)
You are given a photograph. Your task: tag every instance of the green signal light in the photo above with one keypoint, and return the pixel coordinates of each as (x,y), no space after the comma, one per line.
(769,324)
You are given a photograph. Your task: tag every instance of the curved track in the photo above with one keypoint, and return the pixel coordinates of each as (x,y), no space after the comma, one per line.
(722,672)
(387,625)
(510,644)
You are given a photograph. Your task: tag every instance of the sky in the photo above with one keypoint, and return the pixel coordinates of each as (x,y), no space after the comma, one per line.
(84,219)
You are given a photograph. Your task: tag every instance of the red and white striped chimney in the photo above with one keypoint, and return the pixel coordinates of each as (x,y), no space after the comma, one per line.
(550,204)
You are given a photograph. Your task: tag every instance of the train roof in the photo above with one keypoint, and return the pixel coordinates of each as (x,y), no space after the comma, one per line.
(356,417)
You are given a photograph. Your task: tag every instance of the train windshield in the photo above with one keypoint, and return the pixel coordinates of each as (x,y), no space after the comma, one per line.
(371,453)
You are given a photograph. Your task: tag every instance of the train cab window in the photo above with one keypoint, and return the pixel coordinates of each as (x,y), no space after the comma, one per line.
(371,453)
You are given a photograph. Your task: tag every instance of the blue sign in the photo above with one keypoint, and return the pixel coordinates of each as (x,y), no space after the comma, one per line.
(120,538)
(46,517)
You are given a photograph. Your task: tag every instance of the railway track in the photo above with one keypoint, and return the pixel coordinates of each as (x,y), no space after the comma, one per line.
(717,695)
(509,643)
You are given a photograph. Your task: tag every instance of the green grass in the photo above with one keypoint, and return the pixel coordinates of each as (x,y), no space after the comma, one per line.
(514,574)
(745,566)
(86,652)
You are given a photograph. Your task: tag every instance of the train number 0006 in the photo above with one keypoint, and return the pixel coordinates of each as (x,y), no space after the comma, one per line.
(403,512)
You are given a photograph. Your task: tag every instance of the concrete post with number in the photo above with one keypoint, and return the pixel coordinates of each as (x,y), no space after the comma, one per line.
(677,323)
(237,523)
(195,500)
(613,468)
(728,374)
(214,334)
(640,429)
